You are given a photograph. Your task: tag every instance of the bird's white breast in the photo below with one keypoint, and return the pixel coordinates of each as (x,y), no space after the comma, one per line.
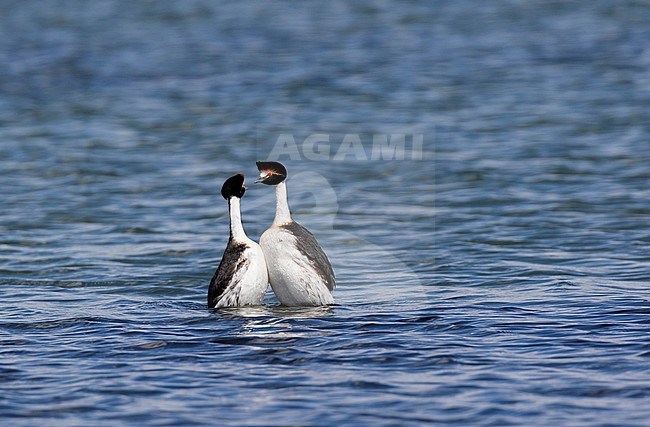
(248,285)
(292,276)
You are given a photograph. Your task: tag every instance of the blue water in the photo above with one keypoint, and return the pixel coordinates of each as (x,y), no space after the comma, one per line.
(501,280)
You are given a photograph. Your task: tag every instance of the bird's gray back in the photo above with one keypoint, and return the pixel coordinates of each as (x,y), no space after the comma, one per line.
(308,246)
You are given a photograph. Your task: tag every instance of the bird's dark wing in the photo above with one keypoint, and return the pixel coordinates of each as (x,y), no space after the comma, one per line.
(309,247)
(233,259)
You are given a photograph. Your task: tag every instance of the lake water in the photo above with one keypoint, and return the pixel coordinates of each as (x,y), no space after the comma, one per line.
(500,280)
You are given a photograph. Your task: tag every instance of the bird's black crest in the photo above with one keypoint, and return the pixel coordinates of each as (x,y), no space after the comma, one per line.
(233,187)
(276,172)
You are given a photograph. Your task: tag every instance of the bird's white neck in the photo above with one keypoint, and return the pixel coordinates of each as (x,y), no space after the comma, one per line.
(282,213)
(236,228)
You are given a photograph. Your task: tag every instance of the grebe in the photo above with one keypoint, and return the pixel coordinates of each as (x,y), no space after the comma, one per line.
(241,278)
(299,271)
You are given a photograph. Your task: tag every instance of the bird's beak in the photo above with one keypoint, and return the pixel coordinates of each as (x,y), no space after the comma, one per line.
(261,178)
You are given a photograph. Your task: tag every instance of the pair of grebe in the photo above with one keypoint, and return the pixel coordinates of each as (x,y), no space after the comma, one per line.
(288,255)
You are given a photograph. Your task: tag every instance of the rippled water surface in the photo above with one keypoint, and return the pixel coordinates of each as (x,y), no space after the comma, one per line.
(501,280)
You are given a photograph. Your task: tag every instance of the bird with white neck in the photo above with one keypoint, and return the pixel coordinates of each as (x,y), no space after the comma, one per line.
(300,273)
